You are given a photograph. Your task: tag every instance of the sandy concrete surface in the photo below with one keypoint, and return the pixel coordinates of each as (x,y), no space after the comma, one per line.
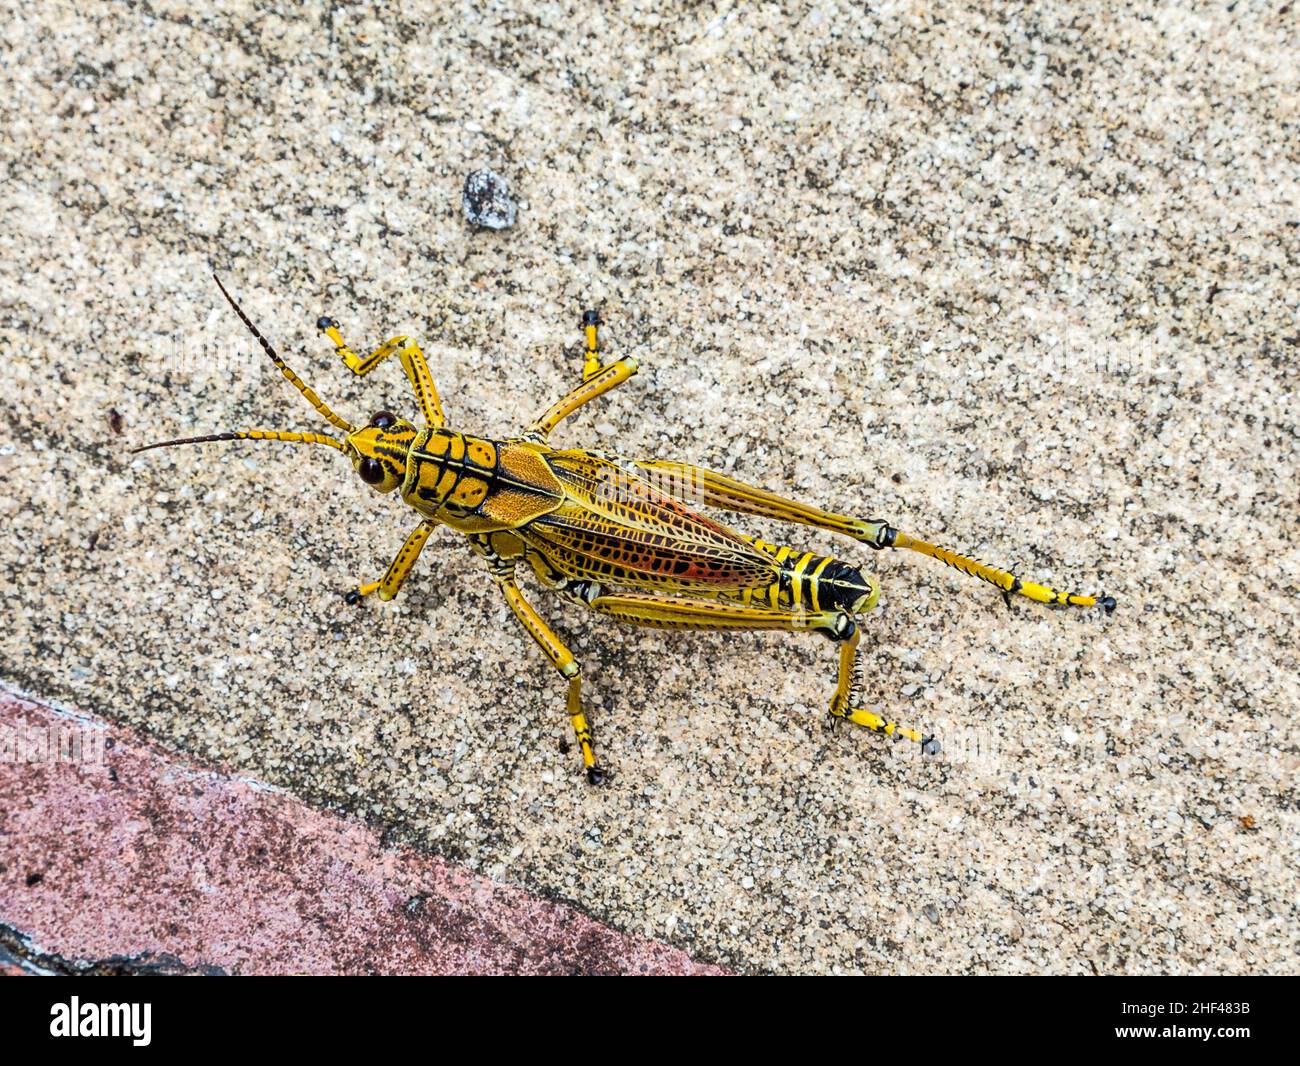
(1022,278)
(122,858)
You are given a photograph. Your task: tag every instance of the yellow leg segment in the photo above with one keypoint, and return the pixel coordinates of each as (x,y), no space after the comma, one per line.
(846,695)
(412,360)
(581,730)
(596,380)
(695,484)
(400,568)
(673,612)
(669,612)
(591,361)
(563,661)
(1004,580)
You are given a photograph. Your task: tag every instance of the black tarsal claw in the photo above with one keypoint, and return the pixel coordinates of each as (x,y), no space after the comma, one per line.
(352,597)
(325,322)
(930,746)
(590,318)
(597,776)
(1108,603)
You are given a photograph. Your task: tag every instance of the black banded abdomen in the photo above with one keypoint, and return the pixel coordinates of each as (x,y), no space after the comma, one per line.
(815,583)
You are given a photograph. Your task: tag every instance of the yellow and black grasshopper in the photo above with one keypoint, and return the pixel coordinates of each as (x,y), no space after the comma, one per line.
(611,534)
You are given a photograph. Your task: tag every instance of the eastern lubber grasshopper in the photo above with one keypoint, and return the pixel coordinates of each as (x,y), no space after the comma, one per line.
(611,534)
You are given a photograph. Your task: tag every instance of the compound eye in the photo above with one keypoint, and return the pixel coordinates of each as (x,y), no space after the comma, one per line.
(382,419)
(371,471)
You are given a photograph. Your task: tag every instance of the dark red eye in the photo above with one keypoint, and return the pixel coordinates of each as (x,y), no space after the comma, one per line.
(382,419)
(371,471)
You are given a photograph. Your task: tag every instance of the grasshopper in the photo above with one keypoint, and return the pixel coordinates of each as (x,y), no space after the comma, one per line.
(613,535)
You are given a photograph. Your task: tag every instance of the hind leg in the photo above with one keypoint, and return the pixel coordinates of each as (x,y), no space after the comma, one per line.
(694,484)
(847,693)
(669,612)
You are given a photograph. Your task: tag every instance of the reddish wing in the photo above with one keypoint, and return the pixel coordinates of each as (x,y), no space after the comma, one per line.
(617,528)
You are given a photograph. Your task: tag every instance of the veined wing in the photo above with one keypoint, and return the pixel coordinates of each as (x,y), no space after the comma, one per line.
(617,527)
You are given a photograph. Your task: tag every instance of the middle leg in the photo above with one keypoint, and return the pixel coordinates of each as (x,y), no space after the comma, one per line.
(597,379)
(561,658)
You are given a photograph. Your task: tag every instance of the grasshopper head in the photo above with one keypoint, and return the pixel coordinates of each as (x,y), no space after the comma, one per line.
(849,588)
(868,600)
(379,449)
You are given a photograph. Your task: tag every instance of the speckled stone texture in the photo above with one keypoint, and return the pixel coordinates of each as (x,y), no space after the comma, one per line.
(1019,278)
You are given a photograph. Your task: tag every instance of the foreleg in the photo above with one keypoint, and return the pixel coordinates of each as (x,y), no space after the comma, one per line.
(412,359)
(399,569)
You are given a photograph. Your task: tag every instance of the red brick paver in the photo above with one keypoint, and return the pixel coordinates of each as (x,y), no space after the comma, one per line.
(144,855)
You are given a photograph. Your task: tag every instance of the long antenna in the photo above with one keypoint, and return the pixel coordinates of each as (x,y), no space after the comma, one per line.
(284,368)
(250,434)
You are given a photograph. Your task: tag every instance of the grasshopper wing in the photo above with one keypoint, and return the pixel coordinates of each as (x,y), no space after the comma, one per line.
(618,528)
